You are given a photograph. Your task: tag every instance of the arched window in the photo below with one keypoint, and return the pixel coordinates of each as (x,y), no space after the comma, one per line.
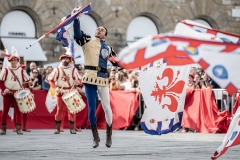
(88,25)
(17,24)
(18,30)
(140,27)
(203,22)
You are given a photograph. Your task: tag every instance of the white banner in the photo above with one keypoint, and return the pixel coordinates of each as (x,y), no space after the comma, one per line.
(164,90)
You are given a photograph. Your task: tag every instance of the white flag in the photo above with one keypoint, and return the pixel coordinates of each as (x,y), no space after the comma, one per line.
(11,113)
(232,138)
(51,100)
(182,29)
(164,94)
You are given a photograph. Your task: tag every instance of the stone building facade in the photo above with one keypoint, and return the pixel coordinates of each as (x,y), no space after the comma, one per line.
(117,14)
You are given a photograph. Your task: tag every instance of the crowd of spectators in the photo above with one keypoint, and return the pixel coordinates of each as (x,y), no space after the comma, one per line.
(198,79)
(125,80)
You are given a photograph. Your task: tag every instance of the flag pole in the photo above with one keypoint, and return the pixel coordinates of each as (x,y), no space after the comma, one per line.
(46,34)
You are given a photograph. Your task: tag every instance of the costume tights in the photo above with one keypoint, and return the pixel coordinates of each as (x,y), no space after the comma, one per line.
(91,94)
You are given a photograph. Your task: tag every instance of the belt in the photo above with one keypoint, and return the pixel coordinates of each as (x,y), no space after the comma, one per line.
(98,68)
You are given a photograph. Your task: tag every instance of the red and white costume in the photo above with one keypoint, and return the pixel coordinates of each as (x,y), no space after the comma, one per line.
(8,81)
(58,80)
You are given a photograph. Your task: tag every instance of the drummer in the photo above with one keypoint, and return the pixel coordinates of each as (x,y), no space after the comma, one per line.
(11,80)
(62,79)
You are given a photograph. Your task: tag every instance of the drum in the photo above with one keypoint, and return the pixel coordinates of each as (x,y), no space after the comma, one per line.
(25,100)
(73,101)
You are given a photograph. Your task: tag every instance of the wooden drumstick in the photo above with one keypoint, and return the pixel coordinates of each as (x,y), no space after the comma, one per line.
(72,86)
(12,88)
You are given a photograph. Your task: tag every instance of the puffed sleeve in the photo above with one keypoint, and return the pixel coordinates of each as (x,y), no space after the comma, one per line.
(3,75)
(53,75)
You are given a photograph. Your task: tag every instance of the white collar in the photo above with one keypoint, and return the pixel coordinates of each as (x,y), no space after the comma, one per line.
(13,68)
(65,67)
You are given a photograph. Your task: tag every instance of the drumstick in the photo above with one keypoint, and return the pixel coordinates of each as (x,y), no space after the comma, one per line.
(72,86)
(13,86)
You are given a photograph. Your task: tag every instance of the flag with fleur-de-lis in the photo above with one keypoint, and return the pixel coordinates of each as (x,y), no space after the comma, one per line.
(164,95)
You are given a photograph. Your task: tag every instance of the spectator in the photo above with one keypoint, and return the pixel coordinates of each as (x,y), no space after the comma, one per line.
(112,73)
(121,80)
(34,66)
(198,82)
(41,70)
(193,71)
(45,83)
(208,82)
(36,85)
(190,83)
(134,83)
(200,71)
(125,76)
(113,70)
(113,84)
(48,70)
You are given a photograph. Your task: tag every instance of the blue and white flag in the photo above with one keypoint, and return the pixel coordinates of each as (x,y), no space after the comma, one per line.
(64,29)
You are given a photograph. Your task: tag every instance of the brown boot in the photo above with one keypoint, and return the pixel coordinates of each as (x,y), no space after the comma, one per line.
(57,125)
(96,138)
(4,128)
(108,136)
(18,129)
(72,130)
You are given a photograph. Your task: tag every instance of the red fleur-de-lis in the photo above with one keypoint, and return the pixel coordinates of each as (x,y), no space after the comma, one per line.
(171,90)
(65,78)
(13,78)
(29,103)
(152,120)
(76,103)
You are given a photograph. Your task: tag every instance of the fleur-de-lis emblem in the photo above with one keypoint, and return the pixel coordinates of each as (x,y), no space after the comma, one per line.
(13,78)
(76,103)
(171,90)
(29,103)
(65,78)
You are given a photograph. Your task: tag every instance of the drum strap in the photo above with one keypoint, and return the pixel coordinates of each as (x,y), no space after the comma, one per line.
(16,77)
(66,77)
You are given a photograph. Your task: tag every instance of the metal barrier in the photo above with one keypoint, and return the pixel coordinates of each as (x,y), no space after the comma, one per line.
(224,100)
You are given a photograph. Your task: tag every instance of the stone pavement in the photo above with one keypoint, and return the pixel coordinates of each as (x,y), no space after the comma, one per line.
(127,145)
